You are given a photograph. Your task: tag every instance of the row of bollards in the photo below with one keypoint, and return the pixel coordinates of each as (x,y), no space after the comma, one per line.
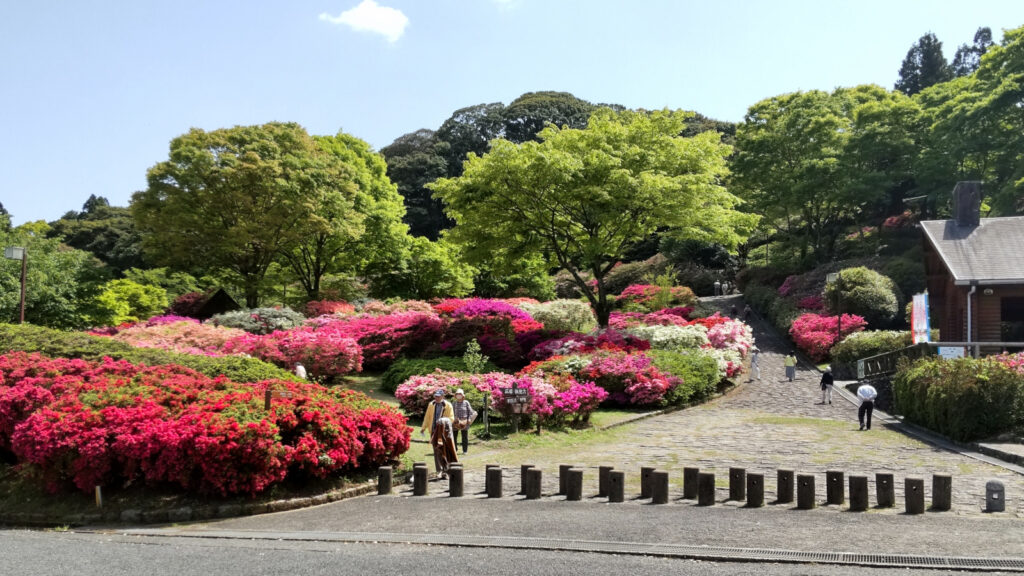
(700,486)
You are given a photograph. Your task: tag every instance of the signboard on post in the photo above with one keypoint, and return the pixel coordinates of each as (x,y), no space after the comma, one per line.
(951,352)
(517,399)
(920,328)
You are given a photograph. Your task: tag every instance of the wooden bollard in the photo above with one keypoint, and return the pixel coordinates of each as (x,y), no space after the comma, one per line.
(755,490)
(494,489)
(885,491)
(690,477)
(659,487)
(455,481)
(616,486)
(522,477)
(913,495)
(384,480)
(705,489)
(603,473)
(574,484)
(646,472)
(942,492)
(835,490)
(858,493)
(563,471)
(533,484)
(419,481)
(805,491)
(487,477)
(737,483)
(785,487)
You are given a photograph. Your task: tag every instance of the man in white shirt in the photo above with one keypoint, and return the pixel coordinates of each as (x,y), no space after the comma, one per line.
(867,395)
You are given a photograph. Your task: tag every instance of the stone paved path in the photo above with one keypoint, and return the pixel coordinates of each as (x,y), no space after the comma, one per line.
(761,426)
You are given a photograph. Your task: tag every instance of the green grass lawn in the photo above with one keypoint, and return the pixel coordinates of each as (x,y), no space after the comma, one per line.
(369,383)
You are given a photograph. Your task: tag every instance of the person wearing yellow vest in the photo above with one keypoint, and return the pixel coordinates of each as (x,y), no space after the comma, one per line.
(790,363)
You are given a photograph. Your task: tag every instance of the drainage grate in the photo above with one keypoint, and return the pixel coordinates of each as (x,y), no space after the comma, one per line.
(714,553)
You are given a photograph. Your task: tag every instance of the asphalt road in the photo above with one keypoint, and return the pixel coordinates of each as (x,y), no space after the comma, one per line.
(31,553)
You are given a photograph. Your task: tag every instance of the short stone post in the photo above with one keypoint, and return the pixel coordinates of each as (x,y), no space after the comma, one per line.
(616,486)
(494,488)
(690,476)
(785,487)
(384,480)
(805,491)
(913,495)
(659,487)
(603,473)
(455,481)
(834,488)
(563,470)
(574,484)
(533,484)
(487,477)
(645,481)
(858,493)
(419,481)
(737,483)
(885,491)
(995,496)
(942,492)
(706,489)
(522,477)
(755,490)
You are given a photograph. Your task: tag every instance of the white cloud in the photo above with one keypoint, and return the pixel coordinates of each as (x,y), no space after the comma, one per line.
(372,17)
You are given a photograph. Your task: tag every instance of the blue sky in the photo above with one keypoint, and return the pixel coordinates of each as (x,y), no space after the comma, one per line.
(93,92)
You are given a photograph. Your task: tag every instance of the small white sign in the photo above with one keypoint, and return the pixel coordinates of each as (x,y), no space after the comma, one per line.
(950,352)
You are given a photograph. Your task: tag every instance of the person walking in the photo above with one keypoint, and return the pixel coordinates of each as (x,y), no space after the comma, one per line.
(747,311)
(755,363)
(436,410)
(464,417)
(790,363)
(300,370)
(867,395)
(826,385)
(734,312)
(442,440)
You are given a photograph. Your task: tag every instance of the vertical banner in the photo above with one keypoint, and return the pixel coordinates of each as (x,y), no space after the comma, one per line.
(919,327)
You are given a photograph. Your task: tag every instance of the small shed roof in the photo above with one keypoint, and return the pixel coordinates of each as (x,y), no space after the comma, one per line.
(989,253)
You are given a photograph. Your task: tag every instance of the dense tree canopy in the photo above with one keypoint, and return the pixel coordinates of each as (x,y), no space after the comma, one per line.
(581,197)
(968,56)
(108,232)
(413,161)
(924,66)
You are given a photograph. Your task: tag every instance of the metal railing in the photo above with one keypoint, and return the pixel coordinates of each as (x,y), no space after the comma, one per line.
(882,364)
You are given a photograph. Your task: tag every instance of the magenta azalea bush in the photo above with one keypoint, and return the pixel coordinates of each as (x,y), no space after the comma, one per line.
(628,378)
(815,334)
(384,339)
(325,354)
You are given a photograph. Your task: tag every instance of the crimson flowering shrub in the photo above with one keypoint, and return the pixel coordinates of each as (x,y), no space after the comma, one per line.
(476,307)
(815,334)
(574,343)
(187,304)
(326,354)
(813,302)
(447,306)
(646,296)
(111,423)
(384,339)
(626,320)
(628,378)
(186,336)
(316,308)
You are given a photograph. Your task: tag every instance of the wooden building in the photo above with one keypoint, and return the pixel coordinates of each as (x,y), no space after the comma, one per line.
(975,272)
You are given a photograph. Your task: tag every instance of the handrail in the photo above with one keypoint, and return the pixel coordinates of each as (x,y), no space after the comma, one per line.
(885,363)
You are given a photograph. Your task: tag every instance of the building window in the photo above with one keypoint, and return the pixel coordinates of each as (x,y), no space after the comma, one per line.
(1012,319)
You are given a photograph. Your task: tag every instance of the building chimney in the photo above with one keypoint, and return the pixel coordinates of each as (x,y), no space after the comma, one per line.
(967,203)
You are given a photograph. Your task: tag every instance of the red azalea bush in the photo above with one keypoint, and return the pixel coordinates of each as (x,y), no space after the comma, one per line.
(316,308)
(325,354)
(815,334)
(645,297)
(384,339)
(111,423)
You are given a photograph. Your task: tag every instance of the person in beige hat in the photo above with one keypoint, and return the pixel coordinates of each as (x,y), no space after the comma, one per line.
(464,417)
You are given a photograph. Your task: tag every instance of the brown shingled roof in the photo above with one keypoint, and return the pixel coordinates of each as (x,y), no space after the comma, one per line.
(990,253)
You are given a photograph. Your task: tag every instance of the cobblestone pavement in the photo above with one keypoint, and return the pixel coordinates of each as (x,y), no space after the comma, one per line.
(763,426)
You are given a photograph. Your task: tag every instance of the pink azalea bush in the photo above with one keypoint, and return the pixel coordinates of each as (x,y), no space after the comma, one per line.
(316,308)
(644,296)
(574,343)
(187,337)
(384,339)
(731,335)
(112,423)
(1013,361)
(169,319)
(628,378)
(815,334)
(326,354)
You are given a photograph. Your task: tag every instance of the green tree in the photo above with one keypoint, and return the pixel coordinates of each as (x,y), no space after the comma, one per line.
(527,115)
(235,199)
(108,232)
(174,283)
(580,197)
(968,56)
(924,66)
(470,129)
(59,280)
(125,301)
(432,270)
(414,160)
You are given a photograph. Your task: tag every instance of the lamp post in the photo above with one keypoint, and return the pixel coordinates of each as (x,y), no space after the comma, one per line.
(19,253)
(836,278)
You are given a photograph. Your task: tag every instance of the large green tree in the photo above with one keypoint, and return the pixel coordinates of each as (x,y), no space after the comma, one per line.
(234,199)
(924,66)
(527,115)
(470,129)
(581,197)
(413,161)
(108,232)
(968,56)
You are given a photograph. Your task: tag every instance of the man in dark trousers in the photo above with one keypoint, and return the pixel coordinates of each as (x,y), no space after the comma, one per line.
(867,395)
(826,385)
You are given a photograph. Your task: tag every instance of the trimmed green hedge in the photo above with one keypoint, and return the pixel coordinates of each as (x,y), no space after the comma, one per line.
(54,343)
(964,399)
(405,368)
(698,372)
